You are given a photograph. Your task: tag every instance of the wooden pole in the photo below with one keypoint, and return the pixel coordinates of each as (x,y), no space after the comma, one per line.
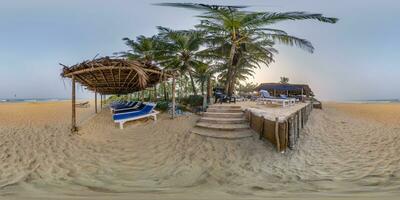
(173,96)
(262,127)
(155,93)
(278,144)
(73,122)
(95,100)
(101,102)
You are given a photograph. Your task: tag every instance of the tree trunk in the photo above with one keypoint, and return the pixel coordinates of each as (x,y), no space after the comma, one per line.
(165,91)
(192,81)
(230,67)
(209,89)
(233,82)
(202,88)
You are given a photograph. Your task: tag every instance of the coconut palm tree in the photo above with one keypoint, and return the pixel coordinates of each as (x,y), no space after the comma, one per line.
(144,49)
(237,27)
(180,51)
(284,80)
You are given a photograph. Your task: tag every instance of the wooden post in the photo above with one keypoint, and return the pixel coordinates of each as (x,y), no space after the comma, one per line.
(278,144)
(101,102)
(262,127)
(173,96)
(155,93)
(95,100)
(73,122)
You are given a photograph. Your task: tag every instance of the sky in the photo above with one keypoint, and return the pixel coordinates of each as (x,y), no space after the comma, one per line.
(355,59)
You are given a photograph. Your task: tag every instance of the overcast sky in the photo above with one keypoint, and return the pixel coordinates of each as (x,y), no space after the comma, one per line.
(357,58)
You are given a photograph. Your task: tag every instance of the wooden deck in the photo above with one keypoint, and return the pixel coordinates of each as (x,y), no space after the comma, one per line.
(280,126)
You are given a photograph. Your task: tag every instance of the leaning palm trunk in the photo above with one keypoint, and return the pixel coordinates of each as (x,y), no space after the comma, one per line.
(230,69)
(192,82)
(202,88)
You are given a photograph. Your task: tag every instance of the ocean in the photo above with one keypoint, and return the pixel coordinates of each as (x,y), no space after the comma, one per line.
(17,100)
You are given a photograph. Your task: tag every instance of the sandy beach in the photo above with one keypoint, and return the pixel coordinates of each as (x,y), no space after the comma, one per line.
(345,150)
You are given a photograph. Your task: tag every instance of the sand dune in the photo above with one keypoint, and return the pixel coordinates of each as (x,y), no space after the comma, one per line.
(339,154)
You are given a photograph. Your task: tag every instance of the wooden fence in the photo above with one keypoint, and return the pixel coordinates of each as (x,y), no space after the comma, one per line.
(282,132)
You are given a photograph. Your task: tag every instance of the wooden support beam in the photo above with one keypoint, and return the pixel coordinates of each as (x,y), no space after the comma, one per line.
(133,78)
(101,102)
(105,79)
(173,96)
(73,121)
(119,77)
(113,78)
(126,79)
(262,127)
(95,100)
(102,67)
(278,144)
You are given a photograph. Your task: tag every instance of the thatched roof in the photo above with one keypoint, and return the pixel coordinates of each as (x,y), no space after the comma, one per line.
(294,88)
(114,75)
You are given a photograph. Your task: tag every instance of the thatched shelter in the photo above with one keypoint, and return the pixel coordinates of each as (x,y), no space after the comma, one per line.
(107,76)
(114,76)
(286,88)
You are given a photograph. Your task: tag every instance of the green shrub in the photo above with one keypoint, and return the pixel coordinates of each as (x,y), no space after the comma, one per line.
(195,100)
(162,105)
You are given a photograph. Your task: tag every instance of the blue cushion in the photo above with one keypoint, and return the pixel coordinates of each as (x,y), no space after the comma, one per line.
(146,110)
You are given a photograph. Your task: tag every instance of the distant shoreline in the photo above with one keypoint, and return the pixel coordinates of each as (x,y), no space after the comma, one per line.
(35,100)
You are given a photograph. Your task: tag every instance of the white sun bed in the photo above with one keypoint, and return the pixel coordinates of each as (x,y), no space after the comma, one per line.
(147,111)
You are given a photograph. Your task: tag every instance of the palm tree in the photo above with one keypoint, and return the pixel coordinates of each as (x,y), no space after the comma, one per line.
(237,27)
(180,51)
(144,49)
(284,80)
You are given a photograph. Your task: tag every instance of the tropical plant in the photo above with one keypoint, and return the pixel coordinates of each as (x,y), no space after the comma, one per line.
(284,80)
(246,88)
(228,26)
(145,49)
(180,51)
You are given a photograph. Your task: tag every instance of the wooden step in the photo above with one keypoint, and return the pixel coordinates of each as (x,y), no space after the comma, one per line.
(223,115)
(225,127)
(217,106)
(223,120)
(223,134)
(225,110)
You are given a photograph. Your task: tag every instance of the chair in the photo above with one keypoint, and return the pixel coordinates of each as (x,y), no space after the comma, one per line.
(146,111)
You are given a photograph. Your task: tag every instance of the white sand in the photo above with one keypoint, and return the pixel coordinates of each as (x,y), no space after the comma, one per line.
(338,155)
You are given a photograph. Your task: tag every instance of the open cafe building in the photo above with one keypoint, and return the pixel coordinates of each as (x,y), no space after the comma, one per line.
(114,76)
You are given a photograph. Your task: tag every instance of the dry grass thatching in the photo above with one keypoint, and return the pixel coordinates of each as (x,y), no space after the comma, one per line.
(114,75)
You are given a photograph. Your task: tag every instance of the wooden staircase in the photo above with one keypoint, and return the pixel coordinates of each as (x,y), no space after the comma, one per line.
(223,121)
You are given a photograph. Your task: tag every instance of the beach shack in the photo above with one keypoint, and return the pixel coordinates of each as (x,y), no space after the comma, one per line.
(113,76)
(286,89)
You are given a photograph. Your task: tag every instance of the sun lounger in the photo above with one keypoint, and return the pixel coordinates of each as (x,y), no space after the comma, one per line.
(147,111)
(123,106)
(83,104)
(138,106)
(267,98)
